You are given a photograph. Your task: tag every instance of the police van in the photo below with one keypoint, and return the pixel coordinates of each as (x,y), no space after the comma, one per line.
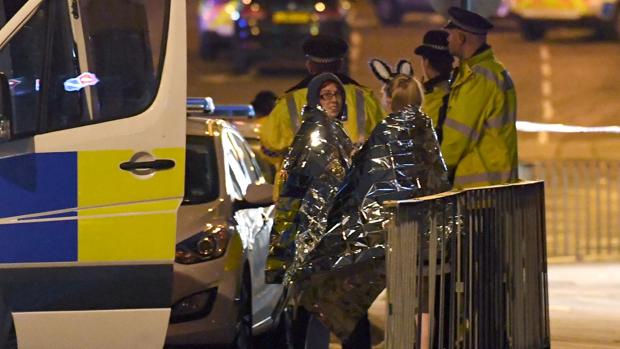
(537,16)
(92,138)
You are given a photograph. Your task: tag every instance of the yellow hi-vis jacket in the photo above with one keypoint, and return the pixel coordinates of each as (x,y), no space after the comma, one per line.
(278,129)
(433,99)
(479,134)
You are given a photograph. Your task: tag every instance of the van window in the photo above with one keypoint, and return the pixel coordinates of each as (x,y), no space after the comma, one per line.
(81,62)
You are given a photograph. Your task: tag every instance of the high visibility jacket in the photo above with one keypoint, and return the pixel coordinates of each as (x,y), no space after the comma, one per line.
(479,134)
(433,98)
(279,127)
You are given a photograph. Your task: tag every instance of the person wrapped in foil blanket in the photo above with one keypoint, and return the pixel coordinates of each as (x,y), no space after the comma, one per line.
(345,272)
(310,177)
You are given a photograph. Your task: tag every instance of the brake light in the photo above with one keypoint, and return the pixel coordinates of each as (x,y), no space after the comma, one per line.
(252,10)
(327,13)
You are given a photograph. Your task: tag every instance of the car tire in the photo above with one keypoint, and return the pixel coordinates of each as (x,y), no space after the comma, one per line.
(8,339)
(208,46)
(610,30)
(240,62)
(388,11)
(532,30)
(281,335)
(243,327)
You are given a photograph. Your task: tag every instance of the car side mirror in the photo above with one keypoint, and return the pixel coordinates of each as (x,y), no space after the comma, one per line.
(256,195)
(6,108)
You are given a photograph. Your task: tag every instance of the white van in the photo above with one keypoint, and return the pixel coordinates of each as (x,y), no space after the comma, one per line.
(92,152)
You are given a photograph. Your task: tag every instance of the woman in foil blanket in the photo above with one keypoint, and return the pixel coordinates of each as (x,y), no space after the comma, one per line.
(311,174)
(345,272)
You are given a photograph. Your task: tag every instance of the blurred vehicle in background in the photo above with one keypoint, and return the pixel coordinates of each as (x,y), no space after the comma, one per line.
(391,12)
(216,25)
(270,33)
(219,290)
(536,17)
(265,31)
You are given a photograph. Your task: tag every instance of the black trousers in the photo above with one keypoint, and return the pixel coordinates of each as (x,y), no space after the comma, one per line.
(360,338)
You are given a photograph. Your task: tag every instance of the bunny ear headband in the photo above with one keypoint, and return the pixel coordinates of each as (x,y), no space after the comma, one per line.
(404,67)
(383,72)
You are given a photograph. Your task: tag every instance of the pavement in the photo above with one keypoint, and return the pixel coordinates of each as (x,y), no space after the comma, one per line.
(584,307)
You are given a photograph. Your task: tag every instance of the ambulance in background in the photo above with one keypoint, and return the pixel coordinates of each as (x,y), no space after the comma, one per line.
(537,16)
(92,159)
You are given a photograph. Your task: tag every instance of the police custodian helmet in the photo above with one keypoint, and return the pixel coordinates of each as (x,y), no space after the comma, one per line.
(468,21)
(324,48)
(434,42)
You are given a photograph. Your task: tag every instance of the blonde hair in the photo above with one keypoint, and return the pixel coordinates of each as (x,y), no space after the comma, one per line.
(403,90)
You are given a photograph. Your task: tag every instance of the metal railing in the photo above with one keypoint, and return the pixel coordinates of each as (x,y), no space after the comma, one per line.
(582,207)
(485,250)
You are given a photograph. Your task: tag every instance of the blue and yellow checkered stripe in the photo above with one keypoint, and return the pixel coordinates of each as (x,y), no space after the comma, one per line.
(80,207)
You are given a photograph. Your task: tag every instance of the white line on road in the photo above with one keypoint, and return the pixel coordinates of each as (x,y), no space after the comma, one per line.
(546,89)
(355,51)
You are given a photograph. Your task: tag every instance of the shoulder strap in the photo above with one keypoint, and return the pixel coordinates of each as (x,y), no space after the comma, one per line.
(292,111)
(360,108)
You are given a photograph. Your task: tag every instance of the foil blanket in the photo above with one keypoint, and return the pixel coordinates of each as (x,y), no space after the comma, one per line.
(310,177)
(340,276)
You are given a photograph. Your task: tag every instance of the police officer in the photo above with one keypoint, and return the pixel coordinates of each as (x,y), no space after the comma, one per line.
(324,54)
(479,134)
(436,67)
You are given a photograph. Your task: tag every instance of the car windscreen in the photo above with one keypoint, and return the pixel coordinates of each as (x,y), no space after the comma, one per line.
(201,176)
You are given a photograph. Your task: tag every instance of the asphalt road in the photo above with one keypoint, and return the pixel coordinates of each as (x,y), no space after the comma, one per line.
(570,77)
(582,71)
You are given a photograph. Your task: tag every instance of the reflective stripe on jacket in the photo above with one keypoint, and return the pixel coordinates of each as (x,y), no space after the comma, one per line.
(279,128)
(479,134)
(433,100)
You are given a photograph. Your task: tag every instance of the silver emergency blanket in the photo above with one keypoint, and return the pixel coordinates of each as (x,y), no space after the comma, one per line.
(345,272)
(310,177)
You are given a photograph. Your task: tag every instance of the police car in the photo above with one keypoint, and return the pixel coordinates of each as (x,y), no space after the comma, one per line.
(219,294)
(536,17)
(391,12)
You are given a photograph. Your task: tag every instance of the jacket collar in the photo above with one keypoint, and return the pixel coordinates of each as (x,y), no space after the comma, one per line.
(429,85)
(484,53)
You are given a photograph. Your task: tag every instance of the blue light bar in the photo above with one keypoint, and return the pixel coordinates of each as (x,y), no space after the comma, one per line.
(204,106)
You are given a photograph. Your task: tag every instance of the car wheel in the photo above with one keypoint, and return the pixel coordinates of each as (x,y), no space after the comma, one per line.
(388,12)
(208,46)
(240,62)
(243,330)
(532,30)
(8,340)
(610,30)
(280,336)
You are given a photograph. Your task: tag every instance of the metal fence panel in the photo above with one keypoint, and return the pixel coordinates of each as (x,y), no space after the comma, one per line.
(475,262)
(582,205)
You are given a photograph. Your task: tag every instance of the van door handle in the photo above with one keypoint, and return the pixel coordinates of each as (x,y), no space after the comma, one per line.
(155,165)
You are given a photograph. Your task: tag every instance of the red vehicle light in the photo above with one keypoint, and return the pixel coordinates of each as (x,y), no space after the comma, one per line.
(253,11)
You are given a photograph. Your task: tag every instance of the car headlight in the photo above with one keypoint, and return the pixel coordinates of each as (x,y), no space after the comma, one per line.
(204,246)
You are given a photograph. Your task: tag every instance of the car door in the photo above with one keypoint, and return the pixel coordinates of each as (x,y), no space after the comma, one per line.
(92,136)
(264,296)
